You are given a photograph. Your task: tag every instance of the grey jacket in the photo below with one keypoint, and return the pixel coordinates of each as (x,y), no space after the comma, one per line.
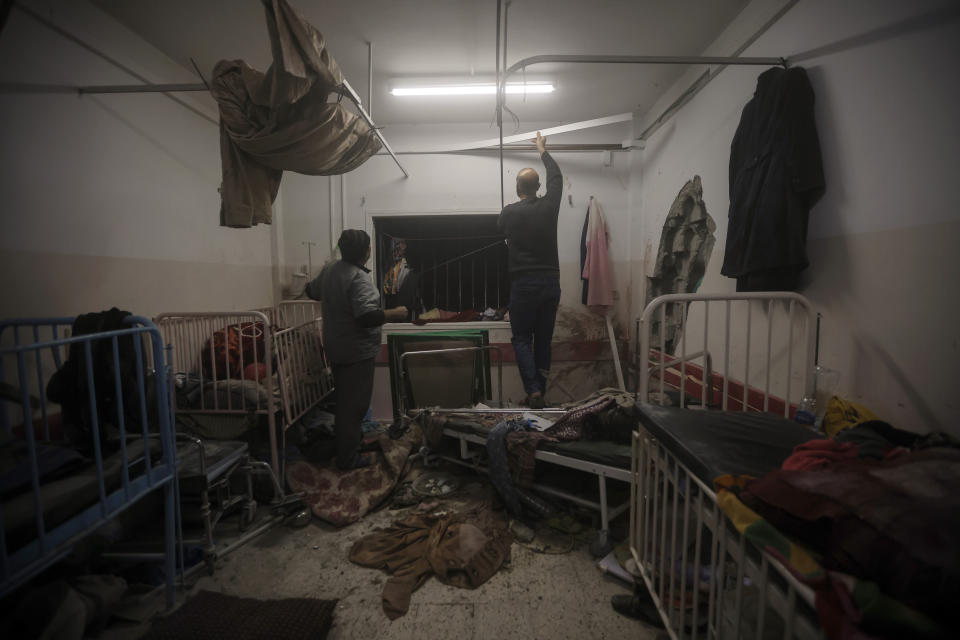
(347,292)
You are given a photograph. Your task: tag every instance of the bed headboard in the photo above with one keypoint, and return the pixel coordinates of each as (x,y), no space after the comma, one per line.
(731,351)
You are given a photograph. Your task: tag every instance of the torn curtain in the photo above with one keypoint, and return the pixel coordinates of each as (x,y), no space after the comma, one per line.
(281,119)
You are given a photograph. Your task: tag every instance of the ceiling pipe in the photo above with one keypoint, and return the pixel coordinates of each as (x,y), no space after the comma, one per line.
(605,59)
(708,76)
(500,84)
(333,231)
(49,24)
(520,147)
(370,78)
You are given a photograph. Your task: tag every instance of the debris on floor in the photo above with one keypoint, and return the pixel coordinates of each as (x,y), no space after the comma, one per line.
(463,549)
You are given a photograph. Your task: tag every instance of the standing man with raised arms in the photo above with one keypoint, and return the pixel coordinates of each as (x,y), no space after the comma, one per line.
(530,226)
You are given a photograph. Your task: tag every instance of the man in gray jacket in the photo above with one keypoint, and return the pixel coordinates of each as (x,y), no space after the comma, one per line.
(352,318)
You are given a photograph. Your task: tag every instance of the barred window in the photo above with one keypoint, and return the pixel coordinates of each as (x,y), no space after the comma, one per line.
(447,262)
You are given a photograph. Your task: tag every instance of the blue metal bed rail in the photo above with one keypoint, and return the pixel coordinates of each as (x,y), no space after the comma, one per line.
(127,430)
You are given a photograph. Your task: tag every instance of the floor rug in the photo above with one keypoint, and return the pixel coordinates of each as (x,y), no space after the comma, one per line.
(213,616)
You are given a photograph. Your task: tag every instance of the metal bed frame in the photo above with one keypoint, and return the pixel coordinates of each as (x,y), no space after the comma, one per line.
(674,518)
(303,376)
(44,349)
(472,459)
(290,313)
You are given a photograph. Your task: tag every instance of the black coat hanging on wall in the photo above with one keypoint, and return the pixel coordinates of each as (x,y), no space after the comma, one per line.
(776,176)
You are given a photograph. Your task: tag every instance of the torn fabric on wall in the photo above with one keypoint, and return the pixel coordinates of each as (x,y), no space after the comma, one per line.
(281,120)
(685,247)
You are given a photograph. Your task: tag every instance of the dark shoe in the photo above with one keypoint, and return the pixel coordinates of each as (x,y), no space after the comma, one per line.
(535,400)
(362,460)
(639,607)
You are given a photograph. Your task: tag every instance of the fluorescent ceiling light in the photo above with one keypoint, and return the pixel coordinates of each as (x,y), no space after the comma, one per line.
(489,88)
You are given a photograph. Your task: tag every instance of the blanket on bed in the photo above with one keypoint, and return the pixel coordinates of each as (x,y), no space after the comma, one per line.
(343,497)
(892,523)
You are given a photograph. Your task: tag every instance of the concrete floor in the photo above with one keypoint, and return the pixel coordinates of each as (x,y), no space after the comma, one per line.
(536,596)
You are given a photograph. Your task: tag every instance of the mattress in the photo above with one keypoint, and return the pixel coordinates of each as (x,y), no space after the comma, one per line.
(66,495)
(716,443)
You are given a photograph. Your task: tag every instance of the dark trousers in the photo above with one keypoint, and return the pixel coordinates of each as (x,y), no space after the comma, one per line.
(353,385)
(533,312)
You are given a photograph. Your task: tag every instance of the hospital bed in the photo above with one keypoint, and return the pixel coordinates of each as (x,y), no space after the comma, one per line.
(734,385)
(704,577)
(274,373)
(469,428)
(67,472)
(283,374)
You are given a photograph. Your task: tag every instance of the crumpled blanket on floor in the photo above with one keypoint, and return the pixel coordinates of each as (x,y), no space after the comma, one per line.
(463,549)
(343,497)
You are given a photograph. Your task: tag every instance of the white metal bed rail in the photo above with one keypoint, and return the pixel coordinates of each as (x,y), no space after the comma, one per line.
(304,373)
(739,591)
(194,361)
(736,308)
(291,313)
(701,573)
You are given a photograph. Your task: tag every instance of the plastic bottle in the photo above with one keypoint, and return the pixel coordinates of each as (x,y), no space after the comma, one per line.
(806,411)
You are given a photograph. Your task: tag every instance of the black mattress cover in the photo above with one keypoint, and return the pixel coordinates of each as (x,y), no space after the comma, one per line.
(715,443)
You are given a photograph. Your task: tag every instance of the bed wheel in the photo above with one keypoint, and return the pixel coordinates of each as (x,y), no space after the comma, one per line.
(600,545)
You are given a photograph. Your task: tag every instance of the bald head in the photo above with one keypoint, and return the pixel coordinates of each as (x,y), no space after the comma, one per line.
(527,183)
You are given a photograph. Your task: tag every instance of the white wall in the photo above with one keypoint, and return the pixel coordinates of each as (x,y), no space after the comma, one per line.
(469,183)
(111,199)
(445,183)
(882,239)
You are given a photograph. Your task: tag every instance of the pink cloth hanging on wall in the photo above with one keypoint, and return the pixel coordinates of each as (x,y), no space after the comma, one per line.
(596,268)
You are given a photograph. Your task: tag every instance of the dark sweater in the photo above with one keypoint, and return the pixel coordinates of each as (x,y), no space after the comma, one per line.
(531,228)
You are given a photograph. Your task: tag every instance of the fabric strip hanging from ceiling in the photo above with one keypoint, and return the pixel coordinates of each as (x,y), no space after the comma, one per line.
(281,120)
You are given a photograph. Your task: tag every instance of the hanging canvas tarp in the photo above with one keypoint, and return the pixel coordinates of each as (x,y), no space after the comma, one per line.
(281,120)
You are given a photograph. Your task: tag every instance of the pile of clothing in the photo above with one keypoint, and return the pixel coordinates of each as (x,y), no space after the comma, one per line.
(512,444)
(879,510)
(463,549)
